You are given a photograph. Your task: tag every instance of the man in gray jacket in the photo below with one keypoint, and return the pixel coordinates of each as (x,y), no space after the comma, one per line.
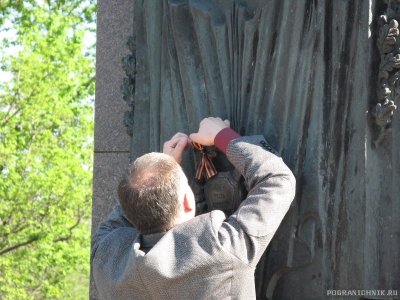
(153,247)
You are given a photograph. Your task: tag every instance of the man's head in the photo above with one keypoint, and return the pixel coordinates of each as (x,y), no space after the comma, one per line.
(154,194)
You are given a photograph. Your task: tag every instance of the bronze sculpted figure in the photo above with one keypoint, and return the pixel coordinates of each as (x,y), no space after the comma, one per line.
(304,74)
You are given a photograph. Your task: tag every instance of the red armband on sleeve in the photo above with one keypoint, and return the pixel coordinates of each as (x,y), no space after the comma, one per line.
(224,137)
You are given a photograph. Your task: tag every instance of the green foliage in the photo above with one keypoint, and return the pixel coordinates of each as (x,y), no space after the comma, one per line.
(46,146)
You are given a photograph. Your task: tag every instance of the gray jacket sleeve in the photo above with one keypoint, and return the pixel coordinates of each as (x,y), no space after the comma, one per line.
(116,220)
(271,186)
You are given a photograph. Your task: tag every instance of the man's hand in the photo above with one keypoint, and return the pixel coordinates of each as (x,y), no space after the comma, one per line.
(208,129)
(176,145)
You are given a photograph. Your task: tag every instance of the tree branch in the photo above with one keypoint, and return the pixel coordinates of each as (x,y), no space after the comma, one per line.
(36,238)
(61,239)
(19,228)
(8,117)
(30,241)
(14,104)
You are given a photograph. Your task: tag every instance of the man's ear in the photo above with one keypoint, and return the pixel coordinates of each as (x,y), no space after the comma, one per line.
(188,201)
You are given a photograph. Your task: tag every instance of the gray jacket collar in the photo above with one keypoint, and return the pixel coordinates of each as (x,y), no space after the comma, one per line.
(149,240)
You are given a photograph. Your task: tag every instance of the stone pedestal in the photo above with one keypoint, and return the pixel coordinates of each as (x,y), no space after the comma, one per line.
(112,144)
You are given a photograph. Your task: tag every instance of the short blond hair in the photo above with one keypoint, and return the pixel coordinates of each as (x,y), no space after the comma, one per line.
(150,192)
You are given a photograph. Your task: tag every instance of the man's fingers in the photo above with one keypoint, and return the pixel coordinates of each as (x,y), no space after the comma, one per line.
(179,134)
(193,136)
(170,143)
(181,145)
(188,143)
(227,122)
(174,141)
(176,145)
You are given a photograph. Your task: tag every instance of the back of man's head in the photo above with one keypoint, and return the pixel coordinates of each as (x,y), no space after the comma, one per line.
(150,193)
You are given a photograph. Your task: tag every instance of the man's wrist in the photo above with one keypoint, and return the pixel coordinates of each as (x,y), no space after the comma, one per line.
(224,137)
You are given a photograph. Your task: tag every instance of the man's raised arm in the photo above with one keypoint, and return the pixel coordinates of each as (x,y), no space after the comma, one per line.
(270,184)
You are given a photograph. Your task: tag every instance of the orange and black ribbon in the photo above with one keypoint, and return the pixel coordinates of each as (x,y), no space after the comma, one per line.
(205,165)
